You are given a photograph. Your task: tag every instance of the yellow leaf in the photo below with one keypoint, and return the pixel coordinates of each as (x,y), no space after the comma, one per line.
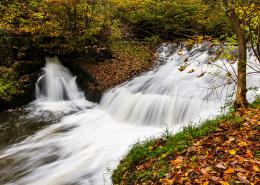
(256,168)
(232,152)
(196,181)
(242,143)
(163,156)
(206,183)
(169,181)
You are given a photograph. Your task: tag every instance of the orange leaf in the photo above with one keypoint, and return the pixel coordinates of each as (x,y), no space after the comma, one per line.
(177,161)
(223,183)
(229,170)
(249,154)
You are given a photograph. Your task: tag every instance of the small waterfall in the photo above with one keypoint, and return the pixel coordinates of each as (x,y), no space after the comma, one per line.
(189,87)
(83,146)
(57,83)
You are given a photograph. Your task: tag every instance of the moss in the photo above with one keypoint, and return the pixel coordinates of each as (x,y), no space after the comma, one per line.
(255,104)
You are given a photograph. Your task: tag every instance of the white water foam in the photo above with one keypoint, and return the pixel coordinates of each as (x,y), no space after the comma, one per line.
(169,96)
(57,83)
(83,146)
(79,149)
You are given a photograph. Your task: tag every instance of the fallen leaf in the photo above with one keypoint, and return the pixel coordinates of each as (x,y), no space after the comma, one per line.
(242,143)
(196,181)
(249,154)
(177,161)
(232,152)
(214,178)
(168,175)
(182,68)
(239,169)
(230,139)
(256,168)
(223,183)
(163,156)
(186,174)
(242,178)
(221,166)
(169,181)
(201,74)
(229,170)
(191,71)
(206,170)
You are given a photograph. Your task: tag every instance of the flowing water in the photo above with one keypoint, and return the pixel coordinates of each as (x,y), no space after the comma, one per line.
(57,83)
(80,141)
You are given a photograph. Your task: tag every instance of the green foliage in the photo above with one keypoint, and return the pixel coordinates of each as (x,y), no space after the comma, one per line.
(8,84)
(256,103)
(247,14)
(79,23)
(216,22)
(168,19)
(70,25)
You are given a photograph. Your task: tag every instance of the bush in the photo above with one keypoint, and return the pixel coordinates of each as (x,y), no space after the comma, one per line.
(8,84)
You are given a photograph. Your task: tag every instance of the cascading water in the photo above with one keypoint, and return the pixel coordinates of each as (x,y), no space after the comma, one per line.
(176,93)
(57,83)
(80,147)
(56,91)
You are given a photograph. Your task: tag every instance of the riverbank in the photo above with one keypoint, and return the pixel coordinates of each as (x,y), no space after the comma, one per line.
(220,151)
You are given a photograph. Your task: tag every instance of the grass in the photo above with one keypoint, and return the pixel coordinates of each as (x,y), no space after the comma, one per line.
(155,151)
(255,104)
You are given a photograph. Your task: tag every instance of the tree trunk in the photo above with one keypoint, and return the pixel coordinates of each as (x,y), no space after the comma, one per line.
(75,18)
(240,101)
(69,17)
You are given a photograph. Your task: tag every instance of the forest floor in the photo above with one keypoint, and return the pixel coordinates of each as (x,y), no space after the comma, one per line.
(130,59)
(222,151)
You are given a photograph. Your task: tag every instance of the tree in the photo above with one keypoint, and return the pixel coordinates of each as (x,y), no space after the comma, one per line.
(242,17)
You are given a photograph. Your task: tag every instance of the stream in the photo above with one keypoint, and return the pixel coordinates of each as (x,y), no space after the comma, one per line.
(63,139)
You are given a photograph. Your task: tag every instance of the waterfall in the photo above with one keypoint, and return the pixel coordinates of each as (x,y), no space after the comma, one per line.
(187,88)
(83,146)
(56,83)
